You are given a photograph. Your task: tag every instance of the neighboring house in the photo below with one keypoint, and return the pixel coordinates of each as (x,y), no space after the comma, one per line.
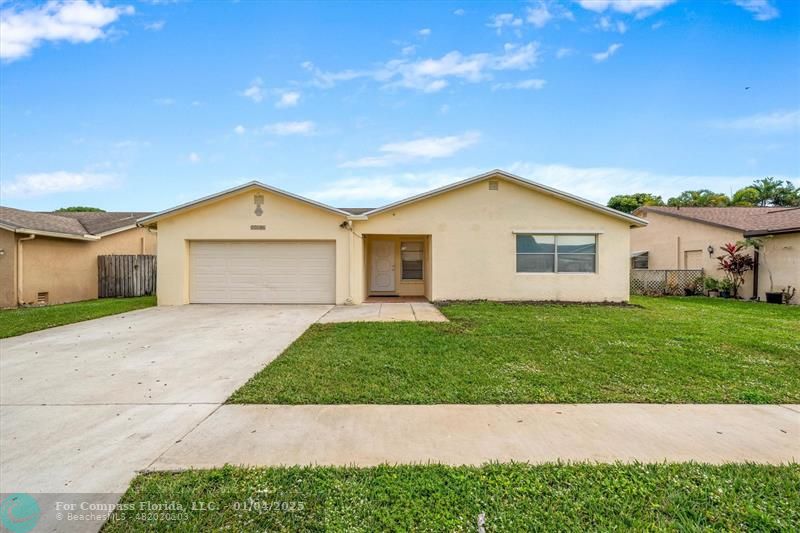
(493,236)
(52,257)
(691,237)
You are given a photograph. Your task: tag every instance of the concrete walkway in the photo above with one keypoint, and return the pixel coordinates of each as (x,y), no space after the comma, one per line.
(384,312)
(474,434)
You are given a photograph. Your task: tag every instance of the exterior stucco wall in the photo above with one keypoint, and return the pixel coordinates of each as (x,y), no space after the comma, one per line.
(231,219)
(473,247)
(8,267)
(669,238)
(782,257)
(67,268)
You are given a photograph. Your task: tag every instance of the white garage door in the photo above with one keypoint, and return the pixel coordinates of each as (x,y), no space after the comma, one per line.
(263,272)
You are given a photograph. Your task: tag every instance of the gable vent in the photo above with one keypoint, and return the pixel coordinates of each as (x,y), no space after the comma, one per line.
(493,185)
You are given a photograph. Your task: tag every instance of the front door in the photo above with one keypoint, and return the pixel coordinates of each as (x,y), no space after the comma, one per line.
(382,273)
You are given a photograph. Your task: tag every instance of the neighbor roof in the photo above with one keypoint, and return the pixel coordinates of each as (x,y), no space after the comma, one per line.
(73,225)
(751,221)
(97,223)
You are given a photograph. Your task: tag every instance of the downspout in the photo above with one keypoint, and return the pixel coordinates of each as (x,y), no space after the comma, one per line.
(755,273)
(20,267)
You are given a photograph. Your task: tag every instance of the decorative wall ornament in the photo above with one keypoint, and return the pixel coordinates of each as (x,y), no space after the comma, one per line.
(258,199)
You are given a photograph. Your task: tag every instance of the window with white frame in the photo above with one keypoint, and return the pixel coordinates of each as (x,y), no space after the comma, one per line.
(556,253)
(411,253)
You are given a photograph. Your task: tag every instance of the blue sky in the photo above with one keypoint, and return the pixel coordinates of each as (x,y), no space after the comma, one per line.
(144,105)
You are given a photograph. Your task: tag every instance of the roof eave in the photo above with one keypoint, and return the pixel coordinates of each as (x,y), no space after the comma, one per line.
(58,235)
(764,232)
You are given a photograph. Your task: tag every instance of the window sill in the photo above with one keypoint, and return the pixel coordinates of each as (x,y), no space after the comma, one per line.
(412,281)
(556,273)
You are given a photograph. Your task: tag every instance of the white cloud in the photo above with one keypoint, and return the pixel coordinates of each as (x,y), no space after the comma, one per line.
(75,21)
(193,157)
(255,91)
(54,183)
(239,130)
(503,20)
(425,148)
(305,127)
(288,99)
(777,121)
(385,188)
(543,12)
(408,50)
(601,183)
(564,52)
(761,9)
(593,183)
(539,15)
(657,25)
(424,32)
(444,109)
(602,56)
(639,8)
(165,101)
(606,24)
(459,12)
(158,25)
(532,84)
(433,74)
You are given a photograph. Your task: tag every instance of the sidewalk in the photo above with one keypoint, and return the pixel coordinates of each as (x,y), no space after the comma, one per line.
(365,435)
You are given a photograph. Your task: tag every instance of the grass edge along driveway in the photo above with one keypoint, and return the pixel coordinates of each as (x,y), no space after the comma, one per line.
(662,350)
(512,497)
(22,320)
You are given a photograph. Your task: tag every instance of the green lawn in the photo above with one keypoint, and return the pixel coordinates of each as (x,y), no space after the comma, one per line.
(663,350)
(512,497)
(26,319)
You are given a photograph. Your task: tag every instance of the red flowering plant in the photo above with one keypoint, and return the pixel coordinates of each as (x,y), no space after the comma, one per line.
(735,263)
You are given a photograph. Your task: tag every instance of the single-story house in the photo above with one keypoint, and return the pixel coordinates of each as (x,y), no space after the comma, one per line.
(51,258)
(493,236)
(690,238)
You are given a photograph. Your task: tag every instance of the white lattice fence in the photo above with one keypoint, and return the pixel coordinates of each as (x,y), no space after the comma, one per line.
(660,282)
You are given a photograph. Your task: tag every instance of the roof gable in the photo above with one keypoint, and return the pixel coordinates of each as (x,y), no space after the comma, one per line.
(501,174)
(252,185)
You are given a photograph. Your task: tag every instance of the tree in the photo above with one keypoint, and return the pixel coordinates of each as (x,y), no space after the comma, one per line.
(700,198)
(746,197)
(768,189)
(787,195)
(628,203)
(79,209)
(768,192)
(735,264)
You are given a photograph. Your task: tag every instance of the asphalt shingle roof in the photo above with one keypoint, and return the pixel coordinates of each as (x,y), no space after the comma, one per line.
(84,223)
(747,219)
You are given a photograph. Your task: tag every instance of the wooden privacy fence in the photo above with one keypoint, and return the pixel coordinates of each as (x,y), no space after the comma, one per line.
(126,275)
(660,282)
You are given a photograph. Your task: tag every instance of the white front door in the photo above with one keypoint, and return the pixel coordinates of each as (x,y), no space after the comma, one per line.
(382,276)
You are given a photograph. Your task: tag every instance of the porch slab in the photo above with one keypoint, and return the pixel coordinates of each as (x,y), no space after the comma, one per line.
(384,312)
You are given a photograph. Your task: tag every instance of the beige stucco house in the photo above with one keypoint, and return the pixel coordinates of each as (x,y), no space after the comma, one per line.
(691,237)
(493,236)
(51,258)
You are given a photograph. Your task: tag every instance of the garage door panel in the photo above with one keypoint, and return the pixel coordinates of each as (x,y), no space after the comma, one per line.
(262,272)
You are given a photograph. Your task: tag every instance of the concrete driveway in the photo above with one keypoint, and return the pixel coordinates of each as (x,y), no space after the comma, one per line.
(84,406)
